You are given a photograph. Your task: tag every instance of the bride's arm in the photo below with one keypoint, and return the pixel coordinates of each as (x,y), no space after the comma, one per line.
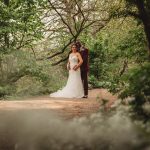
(80,61)
(68,65)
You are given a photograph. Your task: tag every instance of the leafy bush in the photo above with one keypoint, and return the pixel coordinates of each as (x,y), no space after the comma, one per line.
(21,75)
(6,90)
(138,87)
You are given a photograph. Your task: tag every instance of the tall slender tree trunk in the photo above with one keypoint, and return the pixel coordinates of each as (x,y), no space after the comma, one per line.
(1,70)
(6,39)
(145,17)
(6,35)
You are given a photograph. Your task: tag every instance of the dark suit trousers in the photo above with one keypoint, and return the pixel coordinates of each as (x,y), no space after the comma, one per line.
(84,78)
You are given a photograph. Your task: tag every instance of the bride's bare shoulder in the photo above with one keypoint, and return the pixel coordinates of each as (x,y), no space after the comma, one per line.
(78,54)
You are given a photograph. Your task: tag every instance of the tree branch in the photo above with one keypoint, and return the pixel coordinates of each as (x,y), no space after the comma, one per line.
(63,49)
(61,17)
(60,61)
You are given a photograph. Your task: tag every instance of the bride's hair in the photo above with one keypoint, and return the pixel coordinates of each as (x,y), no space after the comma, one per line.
(73,44)
(78,45)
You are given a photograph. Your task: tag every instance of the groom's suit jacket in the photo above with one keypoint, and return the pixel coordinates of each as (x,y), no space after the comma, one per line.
(84,69)
(85,55)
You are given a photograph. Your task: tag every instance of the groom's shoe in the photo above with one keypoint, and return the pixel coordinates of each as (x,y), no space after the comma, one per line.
(85,96)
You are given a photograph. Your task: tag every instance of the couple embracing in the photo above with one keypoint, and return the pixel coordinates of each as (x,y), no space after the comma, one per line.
(77,83)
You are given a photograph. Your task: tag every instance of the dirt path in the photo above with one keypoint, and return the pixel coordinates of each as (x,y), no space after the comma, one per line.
(65,107)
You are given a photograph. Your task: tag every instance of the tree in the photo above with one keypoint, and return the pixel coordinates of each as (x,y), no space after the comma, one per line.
(139,9)
(70,18)
(20,24)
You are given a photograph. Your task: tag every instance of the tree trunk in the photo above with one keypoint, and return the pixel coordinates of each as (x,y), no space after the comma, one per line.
(6,35)
(145,17)
(6,39)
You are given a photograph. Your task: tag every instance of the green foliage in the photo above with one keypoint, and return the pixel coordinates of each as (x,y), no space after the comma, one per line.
(20,24)
(138,86)
(138,82)
(6,90)
(133,46)
(97,59)
(118,59)
(21,75)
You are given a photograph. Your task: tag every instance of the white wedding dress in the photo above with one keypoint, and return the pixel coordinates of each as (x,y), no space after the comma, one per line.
(74,86)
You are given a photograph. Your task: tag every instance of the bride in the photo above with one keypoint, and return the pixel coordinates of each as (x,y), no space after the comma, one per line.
(74,86)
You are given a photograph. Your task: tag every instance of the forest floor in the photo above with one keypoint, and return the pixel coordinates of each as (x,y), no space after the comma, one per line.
(67,108)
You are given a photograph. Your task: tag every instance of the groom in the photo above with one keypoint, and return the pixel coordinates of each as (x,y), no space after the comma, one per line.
(84,67)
